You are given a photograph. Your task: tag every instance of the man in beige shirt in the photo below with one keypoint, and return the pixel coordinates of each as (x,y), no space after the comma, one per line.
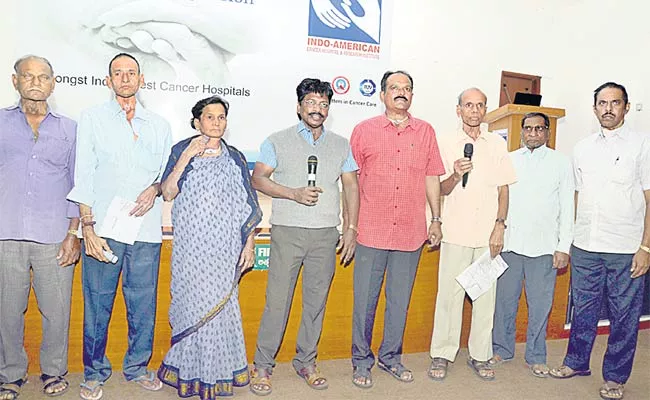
(473,217)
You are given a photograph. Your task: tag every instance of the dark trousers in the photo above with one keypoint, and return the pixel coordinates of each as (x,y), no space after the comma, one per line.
(591,273)
(370,267)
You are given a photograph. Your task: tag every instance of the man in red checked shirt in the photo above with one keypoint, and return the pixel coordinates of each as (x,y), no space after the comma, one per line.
(399,170)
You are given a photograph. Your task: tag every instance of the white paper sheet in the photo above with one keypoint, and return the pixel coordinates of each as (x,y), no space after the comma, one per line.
(479,277)
(118,224)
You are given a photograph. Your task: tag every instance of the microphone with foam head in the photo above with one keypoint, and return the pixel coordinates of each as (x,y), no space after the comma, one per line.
(312,163)
(467,153)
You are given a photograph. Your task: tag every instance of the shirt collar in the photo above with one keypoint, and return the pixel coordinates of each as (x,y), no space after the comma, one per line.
(19,109)
(385,122)
(303,129)
(463,137)
(618,133)
(539,152)
(140,111)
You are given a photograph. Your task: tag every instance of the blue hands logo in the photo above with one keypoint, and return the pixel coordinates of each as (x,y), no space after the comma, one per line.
(353,20)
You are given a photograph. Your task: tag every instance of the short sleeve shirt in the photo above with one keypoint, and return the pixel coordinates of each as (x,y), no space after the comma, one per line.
(468,214)
(393,164)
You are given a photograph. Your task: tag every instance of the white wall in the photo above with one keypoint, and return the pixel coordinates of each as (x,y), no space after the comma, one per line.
(575,45)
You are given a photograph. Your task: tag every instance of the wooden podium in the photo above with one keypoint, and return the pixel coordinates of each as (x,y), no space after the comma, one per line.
(509,116)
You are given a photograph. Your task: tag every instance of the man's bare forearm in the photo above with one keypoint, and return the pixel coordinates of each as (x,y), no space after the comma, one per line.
(351,200)
(432,184)
(448,185)
(502,210)
(272,189)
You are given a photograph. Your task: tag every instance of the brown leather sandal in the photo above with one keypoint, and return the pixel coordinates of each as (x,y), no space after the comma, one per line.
(260,383)
(313,377)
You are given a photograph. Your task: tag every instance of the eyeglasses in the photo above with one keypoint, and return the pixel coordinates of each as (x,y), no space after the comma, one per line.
(311,102)
(537,128)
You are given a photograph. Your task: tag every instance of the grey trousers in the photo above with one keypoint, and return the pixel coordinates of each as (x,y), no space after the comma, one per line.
(370,265)
(291,248)
(53,289)
(538,275)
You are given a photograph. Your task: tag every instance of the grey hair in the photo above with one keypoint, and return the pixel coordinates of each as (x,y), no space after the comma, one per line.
(32,57)
(460,96)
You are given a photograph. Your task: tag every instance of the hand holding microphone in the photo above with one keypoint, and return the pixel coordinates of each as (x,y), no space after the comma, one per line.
(468,151)
(464,165)
(309,195)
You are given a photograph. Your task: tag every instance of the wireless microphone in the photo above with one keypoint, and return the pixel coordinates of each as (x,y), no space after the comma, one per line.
(467,152)
(312,163)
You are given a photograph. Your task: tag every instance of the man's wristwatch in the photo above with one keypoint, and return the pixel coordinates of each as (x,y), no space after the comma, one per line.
(501,221)
(644,248)
(436,219)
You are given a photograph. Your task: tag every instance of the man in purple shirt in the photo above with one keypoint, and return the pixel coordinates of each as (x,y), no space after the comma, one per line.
(38,230)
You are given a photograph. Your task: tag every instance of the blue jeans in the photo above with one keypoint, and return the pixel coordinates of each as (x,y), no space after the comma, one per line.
(139,263)
(590,274)
(538,275)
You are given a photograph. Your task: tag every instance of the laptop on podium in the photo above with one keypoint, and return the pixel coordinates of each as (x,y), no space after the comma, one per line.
(528,99)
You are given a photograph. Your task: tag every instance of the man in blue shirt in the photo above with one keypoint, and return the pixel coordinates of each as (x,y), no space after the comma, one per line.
(122,149)
(537,242)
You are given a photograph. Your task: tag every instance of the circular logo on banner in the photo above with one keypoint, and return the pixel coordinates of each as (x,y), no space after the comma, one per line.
(367,87)
(340,85)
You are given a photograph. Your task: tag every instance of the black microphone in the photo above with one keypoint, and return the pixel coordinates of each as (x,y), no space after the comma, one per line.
(467,152)
(312,163)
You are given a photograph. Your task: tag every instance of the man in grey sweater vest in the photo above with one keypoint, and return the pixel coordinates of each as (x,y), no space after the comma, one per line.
(304,220)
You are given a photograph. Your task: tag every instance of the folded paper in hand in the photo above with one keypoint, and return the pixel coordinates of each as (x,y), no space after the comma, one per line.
(479,277)
(118,224)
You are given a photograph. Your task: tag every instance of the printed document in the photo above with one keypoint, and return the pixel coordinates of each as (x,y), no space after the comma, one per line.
(479,277)
(118,224)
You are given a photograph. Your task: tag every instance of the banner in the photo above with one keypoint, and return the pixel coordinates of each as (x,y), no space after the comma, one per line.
(252,52)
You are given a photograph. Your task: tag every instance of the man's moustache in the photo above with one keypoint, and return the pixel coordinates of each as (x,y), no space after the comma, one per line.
(401,97)
(611,115)
(316,113)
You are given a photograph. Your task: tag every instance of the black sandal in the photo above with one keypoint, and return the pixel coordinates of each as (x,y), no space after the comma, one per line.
(49,382)
(11,390)
(438,364)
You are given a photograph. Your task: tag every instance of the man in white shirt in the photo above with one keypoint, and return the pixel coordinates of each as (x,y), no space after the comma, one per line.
(611,248)
(537,242)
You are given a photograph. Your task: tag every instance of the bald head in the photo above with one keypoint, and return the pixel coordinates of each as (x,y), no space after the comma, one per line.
(31,57)
(471,91)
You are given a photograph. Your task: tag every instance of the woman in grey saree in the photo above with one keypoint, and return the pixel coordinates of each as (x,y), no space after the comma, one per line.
(214,215)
